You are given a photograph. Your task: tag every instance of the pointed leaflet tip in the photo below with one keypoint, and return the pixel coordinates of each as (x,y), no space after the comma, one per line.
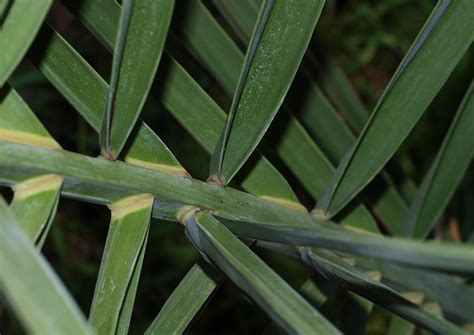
(19,23)
(445,173)
(419,71)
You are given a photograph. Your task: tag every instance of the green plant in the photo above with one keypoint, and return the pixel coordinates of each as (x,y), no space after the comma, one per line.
(334,156)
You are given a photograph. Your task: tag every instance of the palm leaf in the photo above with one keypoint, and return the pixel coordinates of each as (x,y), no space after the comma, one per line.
(87,91)
(138,50)
(430,254)
(419,72)
(186,301)
(36,197)
(304,158)
(286,307)
(34,205)
(121,264)
(192,107)
(446,172)
(41,302)
(295,147)
(241,15)
(333,268)
(455,297)
(274,55)
(19,23)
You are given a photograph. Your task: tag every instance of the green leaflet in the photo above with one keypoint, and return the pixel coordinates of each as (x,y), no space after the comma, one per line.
(336,270)
(338,88)
(311,167)
(330,77)
(430,254)
(17,30)
(446,36)
(34,205)
(19,124)
(322,120)
(294,146)
(204,119)
(446,172)
(330,132)
(399,326)
(121,264)
(86,91)
(284,305)
(209,41)
(217,172)
(110,102)
(280,39)
(35,199)
(185,301)
(190,105)
(243,20)
(41,302)
(141,46)
(456,298)
(264,180)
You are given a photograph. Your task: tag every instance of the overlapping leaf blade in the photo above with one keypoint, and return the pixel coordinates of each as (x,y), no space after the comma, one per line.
(446,172)
(430,254)
(19,124)
(34,205)
(245,11)
(294,146)
(431,59)
(41,302)
(121,264)
(110,103)
(205,37)
(86,171)
(333,268)
(19,24)
(190,105)
(455,297)
(185,301)
(252,275)
(36,198)
(338,88)
(273,57)
(87,91)
(145,25)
